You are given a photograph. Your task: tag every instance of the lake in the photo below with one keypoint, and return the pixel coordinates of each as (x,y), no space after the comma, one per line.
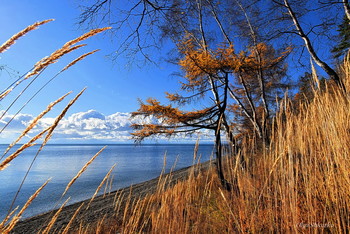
(134,164)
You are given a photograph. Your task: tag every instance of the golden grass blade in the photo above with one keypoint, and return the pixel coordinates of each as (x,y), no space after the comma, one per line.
(58,119)
(101,184)
(16,218)
(195,151)
(100,224)
(110,185)
(57,51)
(7,218)
(5,163)
(85,36)
(81,57)
(66,48)
(4,94)
(45,62)
(15,37)
(54,218)
(66,229)
(81,171)
(35,121)
(229,207)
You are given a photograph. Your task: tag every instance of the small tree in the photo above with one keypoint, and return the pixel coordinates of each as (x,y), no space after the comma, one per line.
(229,80)
(204,75)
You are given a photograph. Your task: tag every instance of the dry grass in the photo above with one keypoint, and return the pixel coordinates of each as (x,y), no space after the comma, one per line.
(81,171)
(8,227)
(35,122)
(20,34)
(300,184)
(14,215)
(101,184)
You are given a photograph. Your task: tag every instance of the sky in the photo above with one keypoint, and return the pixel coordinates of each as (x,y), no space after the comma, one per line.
(102,113)
(113,88)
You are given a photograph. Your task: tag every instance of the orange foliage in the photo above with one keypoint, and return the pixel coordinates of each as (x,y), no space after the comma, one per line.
(173,97)
(200,62)
(169,114)
(146,130)
(201,66)
(171,119)
(263,57)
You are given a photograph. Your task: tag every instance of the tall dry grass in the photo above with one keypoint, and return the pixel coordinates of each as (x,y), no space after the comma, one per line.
(14,214)
(299,184)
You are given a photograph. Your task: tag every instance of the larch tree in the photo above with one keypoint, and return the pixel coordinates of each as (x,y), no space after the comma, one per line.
(230,80)
(240,87)
(205,74)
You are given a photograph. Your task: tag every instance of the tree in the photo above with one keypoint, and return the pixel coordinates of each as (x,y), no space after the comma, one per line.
(205,73)
(346,8)
(240,89)
(288,7)
(230,80)
(152,20)
(344,33)
(258,83)
(300,32)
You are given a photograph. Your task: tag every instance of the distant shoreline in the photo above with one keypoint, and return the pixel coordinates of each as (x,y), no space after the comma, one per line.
(102,204)
(101,144)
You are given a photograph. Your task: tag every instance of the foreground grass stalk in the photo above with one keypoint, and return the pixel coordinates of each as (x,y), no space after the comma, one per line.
(101,184)
(82,170)
(66,229)
(16,218)
(35,122)
(20,34)
(6,226)
(54,218)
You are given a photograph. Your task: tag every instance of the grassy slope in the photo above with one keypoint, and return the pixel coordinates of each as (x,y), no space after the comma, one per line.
(300,184)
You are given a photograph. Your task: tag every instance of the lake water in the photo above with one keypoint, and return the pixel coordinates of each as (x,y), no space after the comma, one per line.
(134,164)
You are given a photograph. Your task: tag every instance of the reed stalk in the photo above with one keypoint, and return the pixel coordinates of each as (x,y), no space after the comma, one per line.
(16,218)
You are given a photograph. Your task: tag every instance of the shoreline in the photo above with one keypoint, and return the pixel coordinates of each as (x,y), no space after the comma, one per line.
(103,204)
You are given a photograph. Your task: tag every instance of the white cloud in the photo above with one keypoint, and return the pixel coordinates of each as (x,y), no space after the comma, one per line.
(83,127)
(18,123)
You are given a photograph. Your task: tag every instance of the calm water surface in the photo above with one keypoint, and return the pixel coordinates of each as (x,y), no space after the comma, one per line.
(135,164)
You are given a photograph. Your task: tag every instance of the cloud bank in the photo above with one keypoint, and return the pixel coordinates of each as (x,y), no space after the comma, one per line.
(84,127)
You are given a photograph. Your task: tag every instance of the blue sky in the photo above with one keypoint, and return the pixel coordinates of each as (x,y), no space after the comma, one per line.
(112,87)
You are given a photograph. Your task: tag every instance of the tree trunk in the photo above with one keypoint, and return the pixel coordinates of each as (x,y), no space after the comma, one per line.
(332,74)
(346,8)
(264,123)
(219,168)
